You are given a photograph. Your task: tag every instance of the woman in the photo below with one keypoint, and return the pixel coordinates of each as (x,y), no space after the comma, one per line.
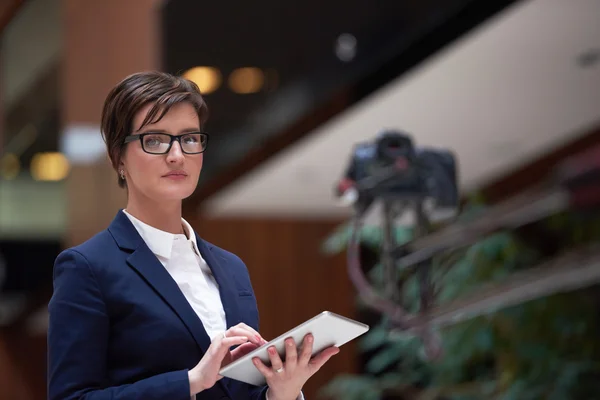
(146,309)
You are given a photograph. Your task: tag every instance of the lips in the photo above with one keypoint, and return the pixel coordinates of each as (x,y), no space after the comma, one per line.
(175,174)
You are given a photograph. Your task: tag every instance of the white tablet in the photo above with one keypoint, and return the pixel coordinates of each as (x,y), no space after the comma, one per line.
(327,328)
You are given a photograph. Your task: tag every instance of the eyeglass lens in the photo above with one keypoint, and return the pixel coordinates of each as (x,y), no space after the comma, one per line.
(159,143)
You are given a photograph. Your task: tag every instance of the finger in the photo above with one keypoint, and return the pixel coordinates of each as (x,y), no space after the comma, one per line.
(219,350)
(225,344)
(276,362)
(291,353)
(320,359)
(242,331)
(267,372)
(251,329)
(307,347)
(243,349)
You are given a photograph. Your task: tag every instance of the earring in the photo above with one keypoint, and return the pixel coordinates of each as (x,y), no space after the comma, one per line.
(122,173)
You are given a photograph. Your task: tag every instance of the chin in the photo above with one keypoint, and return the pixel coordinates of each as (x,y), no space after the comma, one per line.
(179,192)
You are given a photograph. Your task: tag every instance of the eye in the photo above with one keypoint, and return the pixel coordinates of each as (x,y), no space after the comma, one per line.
(154,140)
(190,139)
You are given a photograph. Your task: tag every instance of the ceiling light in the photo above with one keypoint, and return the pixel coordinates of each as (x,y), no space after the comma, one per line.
(208,79)
(49,167)
(246,80)
(345,47)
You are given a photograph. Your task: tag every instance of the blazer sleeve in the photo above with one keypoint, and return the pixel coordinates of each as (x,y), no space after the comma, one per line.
(78,336)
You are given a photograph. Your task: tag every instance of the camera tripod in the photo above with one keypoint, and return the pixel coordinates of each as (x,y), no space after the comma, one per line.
(574,185)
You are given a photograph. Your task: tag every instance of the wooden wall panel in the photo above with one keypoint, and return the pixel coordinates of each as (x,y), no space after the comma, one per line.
(22,365)
(12,385)
(292,279)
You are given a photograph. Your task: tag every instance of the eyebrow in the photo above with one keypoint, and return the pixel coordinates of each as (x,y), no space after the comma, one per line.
(181,132)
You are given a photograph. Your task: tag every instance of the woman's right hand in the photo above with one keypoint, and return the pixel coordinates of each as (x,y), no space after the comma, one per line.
(206,373)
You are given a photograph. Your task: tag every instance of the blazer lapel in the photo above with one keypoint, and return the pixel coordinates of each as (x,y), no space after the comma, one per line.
(146,263)
(148,266)
(227,288)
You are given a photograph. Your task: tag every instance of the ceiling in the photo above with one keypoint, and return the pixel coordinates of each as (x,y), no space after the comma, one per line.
(511,90)
(309,60)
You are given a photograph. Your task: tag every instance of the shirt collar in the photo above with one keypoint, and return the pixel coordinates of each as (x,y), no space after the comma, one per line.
(158,241)
(190,234)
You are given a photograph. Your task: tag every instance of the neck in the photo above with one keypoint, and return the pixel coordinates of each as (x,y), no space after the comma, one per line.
(160,215)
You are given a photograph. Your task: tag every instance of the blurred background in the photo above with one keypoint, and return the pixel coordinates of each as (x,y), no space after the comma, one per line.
(512,87)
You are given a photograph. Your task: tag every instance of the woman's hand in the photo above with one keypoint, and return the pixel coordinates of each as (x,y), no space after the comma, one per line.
(286,380)
(206,373)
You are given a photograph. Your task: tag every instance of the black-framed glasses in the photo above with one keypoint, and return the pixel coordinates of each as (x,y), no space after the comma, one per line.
(160,143)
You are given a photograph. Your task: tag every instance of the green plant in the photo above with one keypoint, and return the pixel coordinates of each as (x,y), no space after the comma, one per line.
(546,348)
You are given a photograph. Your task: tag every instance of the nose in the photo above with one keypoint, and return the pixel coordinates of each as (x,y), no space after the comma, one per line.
(175,155)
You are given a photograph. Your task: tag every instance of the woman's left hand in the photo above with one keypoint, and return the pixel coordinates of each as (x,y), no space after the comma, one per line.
(286,380)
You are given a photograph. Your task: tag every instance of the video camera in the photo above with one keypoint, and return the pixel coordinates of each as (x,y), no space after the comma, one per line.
(391,168)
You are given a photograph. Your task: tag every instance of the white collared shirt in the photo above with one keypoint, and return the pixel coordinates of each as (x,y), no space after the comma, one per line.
(181,258)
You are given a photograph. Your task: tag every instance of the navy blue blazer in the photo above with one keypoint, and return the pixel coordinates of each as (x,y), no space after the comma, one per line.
(120,328)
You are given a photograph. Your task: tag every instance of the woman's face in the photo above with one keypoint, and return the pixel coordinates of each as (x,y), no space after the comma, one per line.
(163,177)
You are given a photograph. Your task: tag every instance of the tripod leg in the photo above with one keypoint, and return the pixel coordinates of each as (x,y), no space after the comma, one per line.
(391,291)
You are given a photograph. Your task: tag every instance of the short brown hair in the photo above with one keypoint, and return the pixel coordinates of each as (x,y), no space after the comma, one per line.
(133,93)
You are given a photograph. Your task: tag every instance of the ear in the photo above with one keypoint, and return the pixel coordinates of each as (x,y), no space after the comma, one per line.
(122,161)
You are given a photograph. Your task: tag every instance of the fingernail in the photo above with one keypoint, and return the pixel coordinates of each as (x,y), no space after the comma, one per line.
(310,338)
(258,338)
(272,350)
